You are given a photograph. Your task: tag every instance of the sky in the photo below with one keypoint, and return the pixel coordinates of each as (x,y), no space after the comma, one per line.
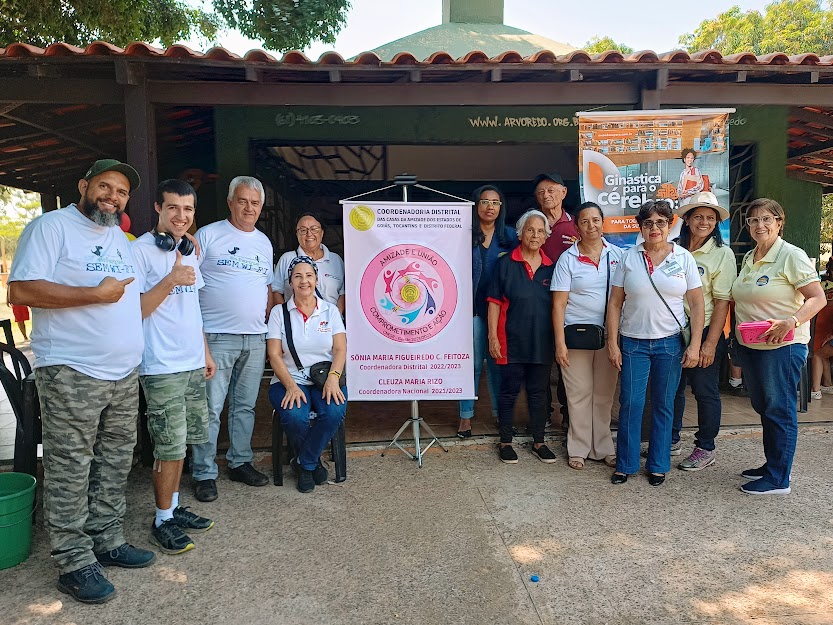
(641,24)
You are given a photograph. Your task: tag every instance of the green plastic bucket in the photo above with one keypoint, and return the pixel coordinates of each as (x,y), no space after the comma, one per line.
(17,503)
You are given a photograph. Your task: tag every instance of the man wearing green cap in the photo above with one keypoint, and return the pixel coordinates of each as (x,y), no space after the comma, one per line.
(75,269)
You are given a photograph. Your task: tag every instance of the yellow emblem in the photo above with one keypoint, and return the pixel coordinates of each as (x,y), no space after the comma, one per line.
(362,217)
(409,293)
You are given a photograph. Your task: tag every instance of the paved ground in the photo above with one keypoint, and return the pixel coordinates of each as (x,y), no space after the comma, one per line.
(457,541)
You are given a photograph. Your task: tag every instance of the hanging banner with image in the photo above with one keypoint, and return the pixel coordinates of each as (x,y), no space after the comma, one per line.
(409,300)
(629,157)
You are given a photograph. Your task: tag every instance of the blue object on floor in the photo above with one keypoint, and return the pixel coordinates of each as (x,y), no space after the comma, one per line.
(533,578)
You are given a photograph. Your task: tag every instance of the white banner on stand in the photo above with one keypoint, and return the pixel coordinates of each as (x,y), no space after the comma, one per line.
(409,300)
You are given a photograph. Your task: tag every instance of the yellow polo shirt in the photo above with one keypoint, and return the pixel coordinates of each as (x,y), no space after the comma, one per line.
(768,289)
(717,273)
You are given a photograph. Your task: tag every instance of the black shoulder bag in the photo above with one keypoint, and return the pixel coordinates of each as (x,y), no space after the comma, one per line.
(685,332)
(588,335)
(319,371)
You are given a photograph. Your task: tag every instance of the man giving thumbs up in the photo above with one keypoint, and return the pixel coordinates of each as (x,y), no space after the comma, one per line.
(176,361)
(75,269)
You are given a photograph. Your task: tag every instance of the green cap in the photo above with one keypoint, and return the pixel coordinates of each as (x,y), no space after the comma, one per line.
(111,164)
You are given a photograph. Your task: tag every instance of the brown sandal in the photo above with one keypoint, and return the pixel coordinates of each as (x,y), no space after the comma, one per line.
(576,463)
(610,461)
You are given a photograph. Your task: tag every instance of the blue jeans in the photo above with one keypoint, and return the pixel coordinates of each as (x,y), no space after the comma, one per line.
(704,385)
(659,360)
(481,353)
(772,377)
(240,359)
(308,438)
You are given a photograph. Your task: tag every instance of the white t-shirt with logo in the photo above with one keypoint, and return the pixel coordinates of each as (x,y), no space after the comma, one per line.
(330,274)
(237,269)
(173,332)
(586,283)
(312,337)
(644,316)
(103,341)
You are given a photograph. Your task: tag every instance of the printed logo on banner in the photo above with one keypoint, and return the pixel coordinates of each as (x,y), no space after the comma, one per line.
(362,217)
(408,293)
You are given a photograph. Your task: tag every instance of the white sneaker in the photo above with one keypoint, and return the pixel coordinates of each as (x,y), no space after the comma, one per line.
(827,390)
(815,395)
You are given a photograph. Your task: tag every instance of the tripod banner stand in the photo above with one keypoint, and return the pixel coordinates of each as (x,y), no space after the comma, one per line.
(409,302)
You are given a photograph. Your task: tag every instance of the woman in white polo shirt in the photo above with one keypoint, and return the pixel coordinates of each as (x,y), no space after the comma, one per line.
(647,295)
(777,283)
(318,334)
(580,287)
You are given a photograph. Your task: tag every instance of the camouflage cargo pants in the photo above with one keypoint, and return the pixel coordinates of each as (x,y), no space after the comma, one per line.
(89,432)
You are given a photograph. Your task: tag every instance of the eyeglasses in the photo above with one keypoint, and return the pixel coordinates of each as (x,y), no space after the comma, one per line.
(310,230)
(495,203)
(767,220)
(659,223)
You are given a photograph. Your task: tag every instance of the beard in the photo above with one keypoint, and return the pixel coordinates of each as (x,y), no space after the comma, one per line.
(90,208)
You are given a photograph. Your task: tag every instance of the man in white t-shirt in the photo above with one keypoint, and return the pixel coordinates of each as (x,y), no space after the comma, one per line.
(75,269)
(236,265)
(176,362)
(310,233)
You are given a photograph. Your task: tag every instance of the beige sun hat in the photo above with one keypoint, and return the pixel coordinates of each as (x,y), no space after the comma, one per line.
(703,199)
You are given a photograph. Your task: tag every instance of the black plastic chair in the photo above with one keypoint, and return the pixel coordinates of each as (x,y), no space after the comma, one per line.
(338,449)
(19,384)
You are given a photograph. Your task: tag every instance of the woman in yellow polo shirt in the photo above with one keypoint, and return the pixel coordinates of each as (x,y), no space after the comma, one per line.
(777,283)
(700,235)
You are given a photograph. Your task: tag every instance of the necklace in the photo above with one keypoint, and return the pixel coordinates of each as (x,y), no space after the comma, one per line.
(595,256)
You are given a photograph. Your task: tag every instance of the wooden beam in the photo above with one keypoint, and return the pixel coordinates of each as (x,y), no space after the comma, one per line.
(129,73)
(650,99)
(825,167)
(811,117)
(57,133)
(61,90)
(496,74)
(335,75)
(821,132)
(397,94)
(800,175)
(140,133)
(576,76)
(741,76)
(731,94)
(810,149)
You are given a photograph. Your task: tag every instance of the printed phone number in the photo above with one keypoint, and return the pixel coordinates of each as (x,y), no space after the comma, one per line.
(292,119)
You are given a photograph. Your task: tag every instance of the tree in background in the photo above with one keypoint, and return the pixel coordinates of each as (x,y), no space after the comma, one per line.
(17,208)
(789,26)
(827,222)
(597,45)
(279,24)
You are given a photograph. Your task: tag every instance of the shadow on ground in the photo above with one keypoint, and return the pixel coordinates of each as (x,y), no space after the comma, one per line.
(457,542)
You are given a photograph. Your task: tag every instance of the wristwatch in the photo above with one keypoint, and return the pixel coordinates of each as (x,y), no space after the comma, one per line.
(797,322)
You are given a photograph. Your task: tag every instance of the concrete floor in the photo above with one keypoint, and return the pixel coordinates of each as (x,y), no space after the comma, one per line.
(457,541)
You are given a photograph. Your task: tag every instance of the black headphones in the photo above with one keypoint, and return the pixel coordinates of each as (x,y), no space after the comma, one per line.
(165,241)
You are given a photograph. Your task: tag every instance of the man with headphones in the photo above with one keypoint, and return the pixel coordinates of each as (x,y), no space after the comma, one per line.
(176,361)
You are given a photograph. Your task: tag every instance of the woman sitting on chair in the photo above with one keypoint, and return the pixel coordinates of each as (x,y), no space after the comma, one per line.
(317,333)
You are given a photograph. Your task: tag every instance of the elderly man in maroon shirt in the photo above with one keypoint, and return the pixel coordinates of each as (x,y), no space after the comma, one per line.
(550,192)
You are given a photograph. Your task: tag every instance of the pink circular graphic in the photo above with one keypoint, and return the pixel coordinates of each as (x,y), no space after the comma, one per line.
(408,293)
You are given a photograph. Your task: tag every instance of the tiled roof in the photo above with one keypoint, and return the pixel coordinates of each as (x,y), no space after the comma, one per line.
(143,50)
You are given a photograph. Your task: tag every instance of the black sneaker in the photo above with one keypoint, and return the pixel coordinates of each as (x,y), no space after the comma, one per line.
(320,475)
(205,490)
(170,538)
(187,520)
(738,391)
(127,557)
(247,474)
(544,454)
(87,585)
(507,454)
(306,481)
(758,473)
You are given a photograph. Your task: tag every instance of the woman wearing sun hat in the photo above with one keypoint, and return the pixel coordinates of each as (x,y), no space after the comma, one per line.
(700,235)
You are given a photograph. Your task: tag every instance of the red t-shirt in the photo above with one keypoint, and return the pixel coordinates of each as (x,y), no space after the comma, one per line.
(564,234)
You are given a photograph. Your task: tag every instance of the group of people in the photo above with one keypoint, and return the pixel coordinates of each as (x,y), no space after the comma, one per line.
(651,316)
(193,319)
(189,318)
